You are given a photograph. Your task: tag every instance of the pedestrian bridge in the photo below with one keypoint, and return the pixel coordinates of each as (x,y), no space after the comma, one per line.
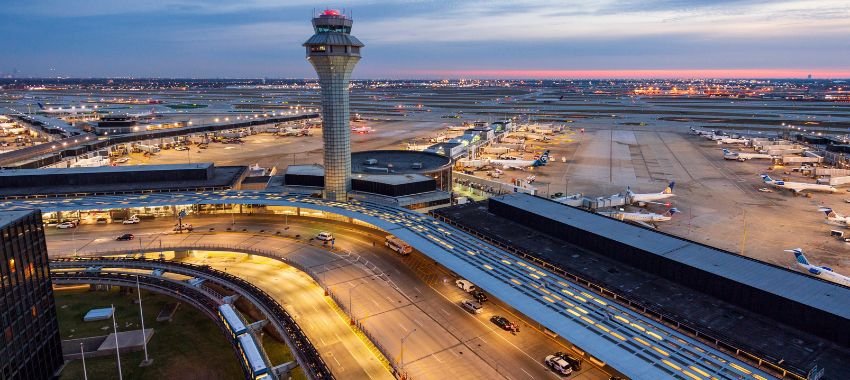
(611,333)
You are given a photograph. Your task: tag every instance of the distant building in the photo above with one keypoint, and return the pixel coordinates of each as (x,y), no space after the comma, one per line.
(30,347)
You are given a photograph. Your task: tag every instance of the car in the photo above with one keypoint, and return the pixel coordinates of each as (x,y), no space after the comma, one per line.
(325,236)
(101,220)
(181,148)
(472,306)
(479,296)
(465,285)
(122,160)
(560,366)
(65,225)
(765,190)
(184,226)
(131,220)
(504,323)
(125,237)
(575,363)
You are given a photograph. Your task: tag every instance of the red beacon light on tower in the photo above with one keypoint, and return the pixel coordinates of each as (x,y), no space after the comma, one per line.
(331,13)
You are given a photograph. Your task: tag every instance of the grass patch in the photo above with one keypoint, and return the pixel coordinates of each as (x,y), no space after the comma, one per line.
(189,347)
(279,353)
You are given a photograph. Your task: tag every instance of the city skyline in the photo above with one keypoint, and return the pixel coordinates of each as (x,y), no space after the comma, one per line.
(434,39)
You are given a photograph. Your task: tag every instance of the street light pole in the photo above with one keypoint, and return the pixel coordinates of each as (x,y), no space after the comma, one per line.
(117,351)
(83,355)
(401,354)
(142,317)
(350,310)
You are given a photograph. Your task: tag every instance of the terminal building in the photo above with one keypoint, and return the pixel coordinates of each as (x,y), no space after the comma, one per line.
(30,347)
(788,319)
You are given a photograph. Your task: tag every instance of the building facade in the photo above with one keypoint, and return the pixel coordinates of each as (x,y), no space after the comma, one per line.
(334,52)
(30,347)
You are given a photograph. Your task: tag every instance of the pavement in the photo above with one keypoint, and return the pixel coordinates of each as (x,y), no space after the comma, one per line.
(421,300)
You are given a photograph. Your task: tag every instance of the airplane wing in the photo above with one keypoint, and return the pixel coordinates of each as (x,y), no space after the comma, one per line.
(645,224)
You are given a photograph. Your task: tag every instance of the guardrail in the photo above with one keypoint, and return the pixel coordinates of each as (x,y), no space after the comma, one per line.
(306,353)
(748,354)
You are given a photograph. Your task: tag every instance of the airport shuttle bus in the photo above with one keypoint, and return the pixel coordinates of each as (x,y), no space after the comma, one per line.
(232,320)
(398,245)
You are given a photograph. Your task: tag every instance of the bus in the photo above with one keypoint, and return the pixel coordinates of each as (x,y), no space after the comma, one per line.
(398,245)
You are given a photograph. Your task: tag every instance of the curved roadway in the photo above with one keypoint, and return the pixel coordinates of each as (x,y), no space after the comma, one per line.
(637,346)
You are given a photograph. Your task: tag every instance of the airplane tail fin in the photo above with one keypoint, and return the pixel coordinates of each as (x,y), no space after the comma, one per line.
(766,178)
(669,189)
(726,151)
(798,253)
(828,211)
(41,106)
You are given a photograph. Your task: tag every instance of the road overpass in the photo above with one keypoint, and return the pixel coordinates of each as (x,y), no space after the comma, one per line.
(75,270)
(635,345)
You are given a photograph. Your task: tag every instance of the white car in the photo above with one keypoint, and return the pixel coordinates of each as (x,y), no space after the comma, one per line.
(472,306)
(765,190)
(130,221)
(65,225)
(558,364)
(123,160)
(325,236)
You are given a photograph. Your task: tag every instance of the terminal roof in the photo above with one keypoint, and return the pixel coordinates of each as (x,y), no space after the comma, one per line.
(772,279)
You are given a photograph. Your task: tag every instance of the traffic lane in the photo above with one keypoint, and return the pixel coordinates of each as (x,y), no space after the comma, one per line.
(343,351)
(362,244)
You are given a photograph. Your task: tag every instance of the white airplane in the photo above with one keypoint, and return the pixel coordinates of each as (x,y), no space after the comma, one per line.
(729,140)
(835,218)
(73,110)
(797,187)
(825,273)
(642,218)
(643,199)
(517,164)
(362,130)
(701,132)
(741,156)
(151,113)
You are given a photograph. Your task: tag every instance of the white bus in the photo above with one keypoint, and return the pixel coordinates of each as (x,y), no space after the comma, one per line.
(398,245)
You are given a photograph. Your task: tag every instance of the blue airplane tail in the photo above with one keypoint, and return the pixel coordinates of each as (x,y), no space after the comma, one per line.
(798,253)
(766,178)
(669,189)
(40,105)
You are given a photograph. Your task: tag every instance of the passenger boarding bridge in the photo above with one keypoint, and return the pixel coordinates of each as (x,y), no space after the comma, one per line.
(613,334)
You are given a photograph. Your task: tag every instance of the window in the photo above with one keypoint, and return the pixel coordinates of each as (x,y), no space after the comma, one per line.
(11,265)
(318,48)
(34,311)
(8,334)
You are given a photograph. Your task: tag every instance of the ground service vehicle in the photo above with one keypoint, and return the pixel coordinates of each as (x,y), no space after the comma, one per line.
(325,236)
(131,220)
(125,237)
(575,363)
(398,245)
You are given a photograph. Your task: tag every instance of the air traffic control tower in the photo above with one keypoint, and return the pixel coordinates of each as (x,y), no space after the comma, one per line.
(333,52)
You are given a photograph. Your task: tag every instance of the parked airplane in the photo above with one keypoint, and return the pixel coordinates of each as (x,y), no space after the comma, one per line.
(797,187)
(642,218)
(139,115)
(643,199)
(362,130)
(835,218)
(825,273)
(701,132)
(517,164)
(71,110)
(741,156)
(729,140)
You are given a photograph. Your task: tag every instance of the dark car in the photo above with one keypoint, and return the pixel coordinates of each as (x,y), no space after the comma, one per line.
(504,323)
(125,237)
(575,362)
(479,296)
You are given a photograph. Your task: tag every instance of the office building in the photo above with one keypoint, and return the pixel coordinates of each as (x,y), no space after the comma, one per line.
(30,347)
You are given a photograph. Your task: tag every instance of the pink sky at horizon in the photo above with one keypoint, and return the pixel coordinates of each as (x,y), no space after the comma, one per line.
(639,74)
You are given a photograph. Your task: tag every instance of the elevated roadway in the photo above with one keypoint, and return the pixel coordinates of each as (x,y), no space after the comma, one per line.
(637,346)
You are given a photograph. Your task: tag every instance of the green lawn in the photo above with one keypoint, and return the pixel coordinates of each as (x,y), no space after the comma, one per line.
(189,347)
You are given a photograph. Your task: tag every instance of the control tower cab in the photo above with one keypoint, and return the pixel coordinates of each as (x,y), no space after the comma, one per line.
(333,52)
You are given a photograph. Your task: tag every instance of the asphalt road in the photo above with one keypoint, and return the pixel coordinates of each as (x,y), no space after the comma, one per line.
(444,340)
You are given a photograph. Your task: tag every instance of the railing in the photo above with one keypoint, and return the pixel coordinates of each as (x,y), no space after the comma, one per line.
(748,354)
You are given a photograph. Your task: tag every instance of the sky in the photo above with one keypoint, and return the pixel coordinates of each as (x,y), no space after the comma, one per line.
(431,39)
